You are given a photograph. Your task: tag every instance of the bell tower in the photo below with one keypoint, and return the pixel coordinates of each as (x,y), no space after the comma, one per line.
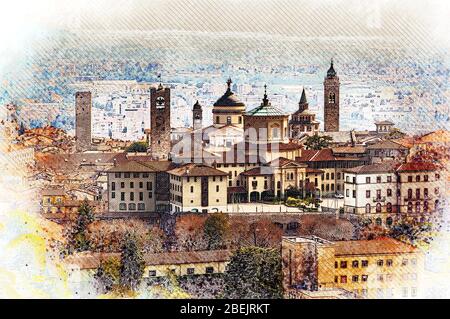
(197,116)
(331,100)
(160,122)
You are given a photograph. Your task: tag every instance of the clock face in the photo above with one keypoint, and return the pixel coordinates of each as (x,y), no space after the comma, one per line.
(160,102)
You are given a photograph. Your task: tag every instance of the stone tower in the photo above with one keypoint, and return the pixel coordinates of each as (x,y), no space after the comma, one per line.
(83,106)
(331,100)
(160,122)
(197,116)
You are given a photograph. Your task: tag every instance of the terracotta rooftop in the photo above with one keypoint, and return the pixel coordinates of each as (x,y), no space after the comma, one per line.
(384,167)
(384,245)
(349,150)
(92,260)
(53,192)
(196,170)
(258,171)
(387,144)
(132,167)
(419,166)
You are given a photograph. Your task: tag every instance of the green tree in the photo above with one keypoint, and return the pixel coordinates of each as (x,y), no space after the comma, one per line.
(395,133)
(140,147)
(316,142)
(132,263)
(216,230)
(108,274)
(255,273)
(418,234)
(78,240)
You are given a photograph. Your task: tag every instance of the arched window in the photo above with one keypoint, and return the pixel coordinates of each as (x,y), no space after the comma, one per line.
(141,206)
(367,208)
(378,209)
(378,221)
(131,206)
(425,206)
(228,119)
(389,221)
(331,98)
(389,207)
(410,205)
(122,206)
(417,207)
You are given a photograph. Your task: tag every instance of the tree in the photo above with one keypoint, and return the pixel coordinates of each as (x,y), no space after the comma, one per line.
(395,133)
(264,233)
(316,142)
(132,263)
(189,231)
(140,147)
(216,228)
(414,233)
(78,240)
(108,274)
(254,272)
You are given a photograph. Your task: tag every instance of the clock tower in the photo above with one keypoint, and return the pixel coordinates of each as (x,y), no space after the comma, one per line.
(331,100)
(160,122)
(197,116)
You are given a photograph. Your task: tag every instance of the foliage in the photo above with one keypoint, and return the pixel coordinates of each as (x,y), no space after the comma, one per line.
(395,133)
(293,192)
(316,142)
(140,147)
(108,274)
(189,231)
(78,240)
(254,272)
(132,263)
(216,229)
(262,233)
(414,233)
(108,236)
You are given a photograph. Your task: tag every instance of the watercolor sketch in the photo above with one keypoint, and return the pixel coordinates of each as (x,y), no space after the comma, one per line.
(206,149)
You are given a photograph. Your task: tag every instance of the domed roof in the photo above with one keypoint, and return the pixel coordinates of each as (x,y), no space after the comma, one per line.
(229,98)
(266,108)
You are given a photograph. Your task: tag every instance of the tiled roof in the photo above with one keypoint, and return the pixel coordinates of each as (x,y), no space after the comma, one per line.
(266,110)
(378,246)
(323,155)
(258,171)
(53,192)
(349,150)
(196,170)
(384,167)
(417,166)
(132,167)
(93,260)
(387,144)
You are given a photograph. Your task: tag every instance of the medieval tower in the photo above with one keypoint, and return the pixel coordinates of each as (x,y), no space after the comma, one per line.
(83,107)
(331,100)
(197,116)
(160,122)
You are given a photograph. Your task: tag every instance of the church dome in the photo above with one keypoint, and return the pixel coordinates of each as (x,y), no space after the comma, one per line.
(229,98)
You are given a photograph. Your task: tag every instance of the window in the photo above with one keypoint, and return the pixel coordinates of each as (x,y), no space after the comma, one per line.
(409,193)
(378,179)
(122,196)
(347,193)
(141,184)
(145,175)
(190,271)
(209,270)
(354,194)
(150,194)
(117,175)
(355,278)
(217,188)
(417,178)
(141,206)
(355,264)
(389,208)
(126,175)
(152,273)
(336,264)
(149,186)
(368,208)
(113,195)
(141,196)
(425,193)
(380,277)
(389,179)
(113,186)
(192,189)
(122,206)
(331,98)
(389,192)
(417,193)
(336,279)
(378,208)
(389,277)
(437,176)
(410,179)
(367,180)
(136,175)
(343,264)
(131,196)
(404,262)
(364,278)
(378,221)
(122,184)
(425,178)
(364,263)
(380,262)
(343,279)
(131,206)
(368,194)
(228,119)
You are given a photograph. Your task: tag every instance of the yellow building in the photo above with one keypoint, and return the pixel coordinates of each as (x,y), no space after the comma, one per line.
(53,200)
(228,109)
(198,188)
(379,268)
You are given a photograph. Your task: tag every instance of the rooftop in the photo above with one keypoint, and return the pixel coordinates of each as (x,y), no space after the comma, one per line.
(416,166)
(196,170)
(229,98)
(384,167)
(387,144)
(384,245)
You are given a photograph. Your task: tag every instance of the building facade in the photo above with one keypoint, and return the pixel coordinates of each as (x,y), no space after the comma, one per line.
(228,109)
(378,268)
(303,121)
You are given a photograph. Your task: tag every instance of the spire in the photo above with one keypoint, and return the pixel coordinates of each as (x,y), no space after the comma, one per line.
(265,99)
(331,72)
(160,86)
(229,84)
(197,105)
(303,98)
